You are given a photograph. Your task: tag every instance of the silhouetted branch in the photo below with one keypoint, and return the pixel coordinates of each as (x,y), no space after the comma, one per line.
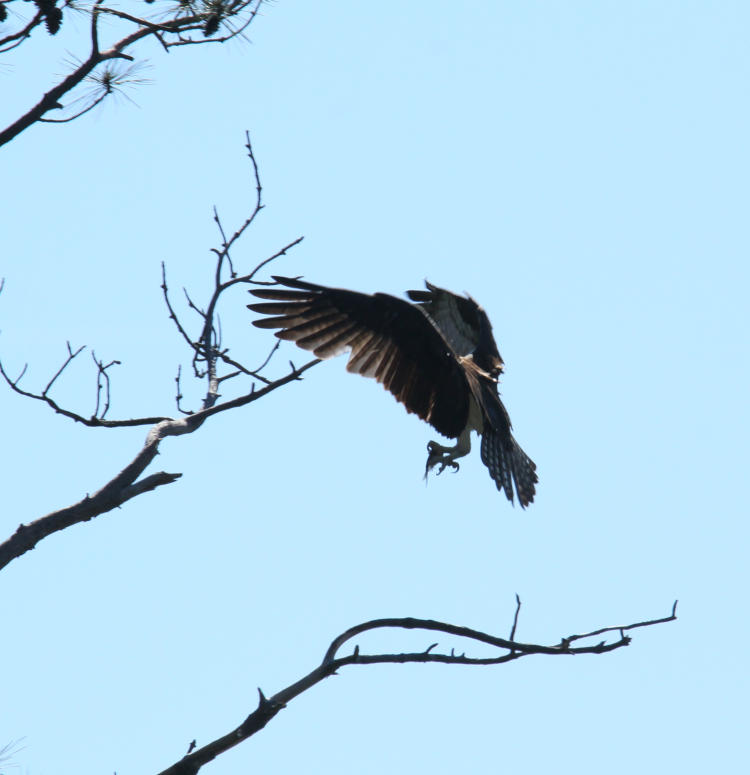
(14,39)
(178,396)
(206,17)
(565,642)
(105,385)
(267,708)
(125,485)
(91,422)
(515,618)
(71,356)
(80,113)
(270,355)
(172,313)
(207,349)
(227,244)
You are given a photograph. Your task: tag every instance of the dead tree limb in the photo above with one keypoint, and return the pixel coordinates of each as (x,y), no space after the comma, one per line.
(126,485)
(268,707)
(209,357)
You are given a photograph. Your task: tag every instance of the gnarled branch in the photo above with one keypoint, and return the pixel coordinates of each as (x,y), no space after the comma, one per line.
(126,485)
(268,707)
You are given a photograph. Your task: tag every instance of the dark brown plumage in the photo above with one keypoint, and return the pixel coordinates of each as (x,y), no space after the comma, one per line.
(437,356)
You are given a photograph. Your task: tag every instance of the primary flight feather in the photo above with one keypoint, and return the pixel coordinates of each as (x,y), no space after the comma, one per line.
(437,356)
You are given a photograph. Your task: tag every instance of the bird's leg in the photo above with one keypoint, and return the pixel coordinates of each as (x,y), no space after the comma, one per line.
(446,456)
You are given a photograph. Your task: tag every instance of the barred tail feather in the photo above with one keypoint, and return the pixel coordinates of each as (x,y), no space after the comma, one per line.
(510,467)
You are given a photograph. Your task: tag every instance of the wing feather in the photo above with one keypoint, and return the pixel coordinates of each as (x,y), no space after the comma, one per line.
(369,364)
(273,294)
(304,333)
(335,336)
(299,326)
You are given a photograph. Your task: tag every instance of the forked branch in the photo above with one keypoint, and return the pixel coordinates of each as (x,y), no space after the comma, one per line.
(208,352)
(97,419)
(206,349)
(268,707)
(126,484)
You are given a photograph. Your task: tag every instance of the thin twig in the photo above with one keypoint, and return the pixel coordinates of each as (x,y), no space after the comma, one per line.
(515,618)
(71,356)
(172,314)
(270,355)
(223,253)
(102,372)
(80,113)
(192,305)
(231,375)
(179,396)
(91,422)
(17,38)
(620,628)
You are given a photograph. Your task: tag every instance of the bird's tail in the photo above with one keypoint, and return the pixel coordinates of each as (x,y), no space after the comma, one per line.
(510,467)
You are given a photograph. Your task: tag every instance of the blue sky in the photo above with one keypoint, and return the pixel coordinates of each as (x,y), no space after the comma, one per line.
(582,170)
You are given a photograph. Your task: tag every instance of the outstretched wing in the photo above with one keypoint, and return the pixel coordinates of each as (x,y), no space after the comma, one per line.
(391,340)
(463,323)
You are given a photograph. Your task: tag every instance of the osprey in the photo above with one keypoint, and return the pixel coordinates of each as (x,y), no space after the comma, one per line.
(437,356)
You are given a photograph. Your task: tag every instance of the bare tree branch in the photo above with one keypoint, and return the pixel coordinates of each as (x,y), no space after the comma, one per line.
(125,486)
(102,384)
(515,618)
(179,396)
(270,355)
(91,422)
(206,348)
(565,642)
(110,496)
(80,113)
(267,708)
(71,356)
(172,313)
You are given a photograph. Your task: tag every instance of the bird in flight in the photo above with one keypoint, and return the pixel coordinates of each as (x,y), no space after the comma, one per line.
(435,354)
